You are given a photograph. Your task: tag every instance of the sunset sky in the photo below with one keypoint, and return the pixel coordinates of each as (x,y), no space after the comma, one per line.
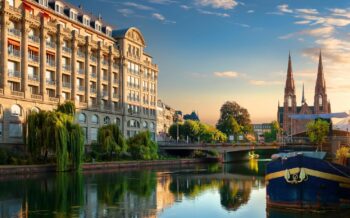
(211,51)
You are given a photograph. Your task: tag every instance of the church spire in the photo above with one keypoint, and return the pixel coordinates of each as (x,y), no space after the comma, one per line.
(320,81)
(303,100)
(290,79)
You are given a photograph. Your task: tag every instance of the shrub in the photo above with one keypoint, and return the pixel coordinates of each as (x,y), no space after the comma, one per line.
(3,156)
(141,147)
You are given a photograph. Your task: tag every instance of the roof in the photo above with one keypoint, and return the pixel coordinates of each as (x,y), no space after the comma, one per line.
(121,33)
(317,116)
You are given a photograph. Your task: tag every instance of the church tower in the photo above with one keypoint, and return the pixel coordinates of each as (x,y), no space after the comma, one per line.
(321,104)
(290,104)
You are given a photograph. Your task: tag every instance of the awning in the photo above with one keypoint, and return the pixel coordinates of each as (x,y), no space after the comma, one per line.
(14,43)
(318,116)
(35,49)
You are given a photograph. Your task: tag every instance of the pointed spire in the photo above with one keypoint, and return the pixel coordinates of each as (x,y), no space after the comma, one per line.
(290,80)
(320,81)
(303,100)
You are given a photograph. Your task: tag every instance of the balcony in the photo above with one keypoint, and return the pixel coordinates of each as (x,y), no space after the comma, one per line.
(17,93)
(50,63)
(81,54)
(66,67)
(14,53)
(145,89)
(1,91)
(66,50)
(33,58)
(105,78)
(152,90)
(93,75)
(50,82)
(81,88)
(51,45)
(66,84)
(105,94)
(53,99)
(81,71)
(34,39)
(36,97)
(93,59)
(145,102)
(15,32)
(105,62)
(14,73)
(115,95)
(82,104)
(132,85)
(34,78)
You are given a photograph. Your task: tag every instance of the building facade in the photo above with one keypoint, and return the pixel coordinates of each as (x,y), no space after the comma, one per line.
(166,116)
(52,52)
(260,129)
(321,102)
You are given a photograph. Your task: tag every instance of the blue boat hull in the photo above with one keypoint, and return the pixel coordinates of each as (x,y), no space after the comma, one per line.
(302,182)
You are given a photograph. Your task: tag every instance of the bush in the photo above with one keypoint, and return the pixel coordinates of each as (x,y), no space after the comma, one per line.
(3,156)
(141,147)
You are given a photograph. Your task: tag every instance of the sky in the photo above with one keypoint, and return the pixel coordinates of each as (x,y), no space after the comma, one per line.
(212,51)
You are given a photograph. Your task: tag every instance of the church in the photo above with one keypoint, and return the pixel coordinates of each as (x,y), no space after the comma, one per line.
(321,102)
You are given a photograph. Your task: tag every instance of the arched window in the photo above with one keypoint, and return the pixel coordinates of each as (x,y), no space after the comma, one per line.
(106,120)
(12,25)
(82,118)
(145,124)
(35,110)
(289,101)
(31,32)
(133,123)
(16,110)
(151,126)
(94,119)
(117,121)
(320,100)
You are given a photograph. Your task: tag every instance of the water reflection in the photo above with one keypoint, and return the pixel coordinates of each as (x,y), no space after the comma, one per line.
(232,190)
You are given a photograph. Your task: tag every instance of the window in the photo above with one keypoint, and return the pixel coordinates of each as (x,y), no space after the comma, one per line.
(35,110)
(11,3)
(117,121)
(106,120)
(151,126)
(43,2)
(16,110)
(85,131)
(15,130)
(82,118)
(145,124)
(94,119)
(93,134)
(320,100)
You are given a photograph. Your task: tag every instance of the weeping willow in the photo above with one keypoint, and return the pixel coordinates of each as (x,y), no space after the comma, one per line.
(111,140)
(56,131)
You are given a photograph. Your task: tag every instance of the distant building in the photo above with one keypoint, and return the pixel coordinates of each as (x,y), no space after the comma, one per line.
(166,116)
(261,129)
(321,103)
(192,116)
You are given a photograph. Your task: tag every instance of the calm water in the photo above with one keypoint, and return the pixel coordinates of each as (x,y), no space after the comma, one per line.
(205,191)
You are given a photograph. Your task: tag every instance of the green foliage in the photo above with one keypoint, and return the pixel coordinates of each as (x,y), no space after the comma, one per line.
(197,130)
(238,113)
(56,131)
(141,147)
(3,156)
(230,126)
(271,136)
(111,140)
(317,131)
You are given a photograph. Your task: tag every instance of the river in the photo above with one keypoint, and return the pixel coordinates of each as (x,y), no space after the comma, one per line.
(235,190)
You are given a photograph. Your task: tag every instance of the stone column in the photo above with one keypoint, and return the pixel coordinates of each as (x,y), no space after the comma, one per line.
(4,48)
(87,70)
(24,52)
(110,77)
(74,67)
(59,41)
(99,74)
(43,34)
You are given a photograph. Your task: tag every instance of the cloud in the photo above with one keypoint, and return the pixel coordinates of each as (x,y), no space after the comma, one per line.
(321,32)
(250,11)
(158,16)
(213,13)
(307,11)
(284,8)
(138,6)
(265,82)
(126,12)
(302,22)
(221,4)
(226,74)
(162,2)
(186,7)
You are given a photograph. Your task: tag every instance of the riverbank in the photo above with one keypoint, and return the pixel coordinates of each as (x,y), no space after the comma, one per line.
(47,168)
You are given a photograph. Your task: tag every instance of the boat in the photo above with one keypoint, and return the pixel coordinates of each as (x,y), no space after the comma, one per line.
(305,181)
(252,155)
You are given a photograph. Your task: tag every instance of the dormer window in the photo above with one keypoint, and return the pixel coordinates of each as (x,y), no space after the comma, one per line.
(73,15)
(44,2)
(98,27)
(86,21)
(59,8)
(108,32)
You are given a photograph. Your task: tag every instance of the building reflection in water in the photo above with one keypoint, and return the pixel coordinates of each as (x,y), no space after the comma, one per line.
(145,194)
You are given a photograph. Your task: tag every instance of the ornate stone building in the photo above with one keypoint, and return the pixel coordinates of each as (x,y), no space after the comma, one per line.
(321,103)
(52,51)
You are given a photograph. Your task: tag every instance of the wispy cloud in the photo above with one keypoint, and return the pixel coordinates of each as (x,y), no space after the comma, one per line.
(250,11)
(186,7)
(138,6)
(284,8)
(222,4)
(162,2)
(307,11)
(265,82)
(226,74)
(321,32)
(162,18)
(126,12)
(213,13)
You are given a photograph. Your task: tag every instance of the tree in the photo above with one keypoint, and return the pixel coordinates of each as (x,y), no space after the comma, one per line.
(230,126)
(111,140)
(141,147)
(191,129)
(239,114)
(317,131)
(273,133)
